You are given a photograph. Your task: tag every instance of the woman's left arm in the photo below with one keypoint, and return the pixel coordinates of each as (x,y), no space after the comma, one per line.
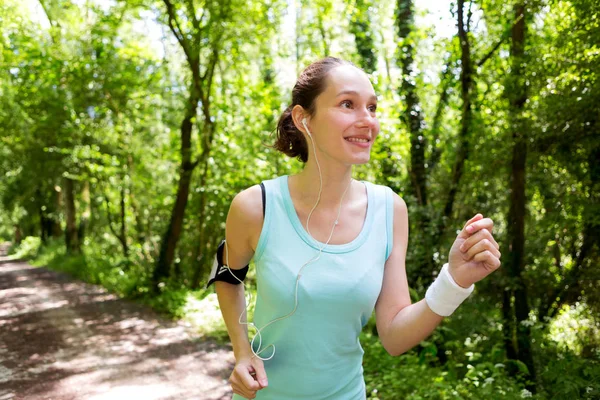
(402,325)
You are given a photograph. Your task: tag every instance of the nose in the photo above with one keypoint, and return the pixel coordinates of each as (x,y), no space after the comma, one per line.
(368,120)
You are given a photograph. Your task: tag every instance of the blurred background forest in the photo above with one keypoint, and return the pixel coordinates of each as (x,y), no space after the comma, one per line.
(127,127)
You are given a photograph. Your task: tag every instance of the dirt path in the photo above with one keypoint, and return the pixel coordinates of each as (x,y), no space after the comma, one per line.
(64,339)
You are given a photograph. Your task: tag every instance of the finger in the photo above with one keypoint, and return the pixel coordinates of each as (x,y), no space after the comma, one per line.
(242,391)
(475,218)
(480,247)
(477,237)
(464,233)
(486,223)
(487,258)
(246,379)
(261,374)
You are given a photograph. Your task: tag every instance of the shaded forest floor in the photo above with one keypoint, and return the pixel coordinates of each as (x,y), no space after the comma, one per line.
(65,339)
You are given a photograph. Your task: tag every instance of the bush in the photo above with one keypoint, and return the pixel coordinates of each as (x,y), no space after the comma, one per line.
(473,362)
(566,375)
(27,249)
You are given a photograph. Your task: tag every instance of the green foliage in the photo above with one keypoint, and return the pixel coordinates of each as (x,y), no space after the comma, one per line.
(170,301)
(28,248)
(96,266)
(567,375)
(417,375)
(97,93)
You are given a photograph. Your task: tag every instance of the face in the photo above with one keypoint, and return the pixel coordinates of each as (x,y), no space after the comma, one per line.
(345,124)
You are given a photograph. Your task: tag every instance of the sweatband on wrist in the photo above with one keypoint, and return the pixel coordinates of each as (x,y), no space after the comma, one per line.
(445,295)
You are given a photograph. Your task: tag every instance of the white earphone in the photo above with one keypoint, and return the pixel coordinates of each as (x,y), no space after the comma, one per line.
(258,330)
(305,127)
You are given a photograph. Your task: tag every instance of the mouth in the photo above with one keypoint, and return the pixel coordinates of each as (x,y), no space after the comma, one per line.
(360,141)
(357,139)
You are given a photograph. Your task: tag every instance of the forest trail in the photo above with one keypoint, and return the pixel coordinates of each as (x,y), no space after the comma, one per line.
(64,339)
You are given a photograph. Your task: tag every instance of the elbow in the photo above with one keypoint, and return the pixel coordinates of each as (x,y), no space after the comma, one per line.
(397,352)
(393,350)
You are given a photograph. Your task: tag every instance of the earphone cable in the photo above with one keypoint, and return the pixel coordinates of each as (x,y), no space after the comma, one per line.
(318,256)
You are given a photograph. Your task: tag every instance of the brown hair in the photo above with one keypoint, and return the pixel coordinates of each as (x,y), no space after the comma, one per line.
(310,84)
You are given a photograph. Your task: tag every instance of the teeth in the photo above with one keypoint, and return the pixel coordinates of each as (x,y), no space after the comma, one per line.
(357,140)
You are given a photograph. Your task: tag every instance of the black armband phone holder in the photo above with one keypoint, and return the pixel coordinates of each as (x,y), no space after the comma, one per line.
(220,272)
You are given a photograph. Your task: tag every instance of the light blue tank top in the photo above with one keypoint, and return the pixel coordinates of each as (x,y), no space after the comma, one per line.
(318,355)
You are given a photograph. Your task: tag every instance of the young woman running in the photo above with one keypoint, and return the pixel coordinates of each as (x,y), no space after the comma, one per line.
(329,249)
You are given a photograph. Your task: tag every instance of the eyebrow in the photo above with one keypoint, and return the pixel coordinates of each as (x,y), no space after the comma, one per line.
(354,92)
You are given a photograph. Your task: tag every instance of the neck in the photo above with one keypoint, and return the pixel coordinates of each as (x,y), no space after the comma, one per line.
(335,182)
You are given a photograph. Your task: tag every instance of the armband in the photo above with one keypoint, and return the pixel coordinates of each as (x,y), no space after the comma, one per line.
(221,272)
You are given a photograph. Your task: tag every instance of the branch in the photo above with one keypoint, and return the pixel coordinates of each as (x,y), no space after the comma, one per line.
(211,70)
(195,24)
(192,12)
(52,22)
(177,31)
(492,51)
(201,31)
(505,36)
(469,15)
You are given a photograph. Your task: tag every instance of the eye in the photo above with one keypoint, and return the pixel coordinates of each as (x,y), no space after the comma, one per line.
(373,107)
(346,102)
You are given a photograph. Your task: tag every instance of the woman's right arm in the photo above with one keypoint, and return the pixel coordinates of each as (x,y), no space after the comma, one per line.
(244,221)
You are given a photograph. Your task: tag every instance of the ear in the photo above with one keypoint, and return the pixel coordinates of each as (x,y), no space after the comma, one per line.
(298,114)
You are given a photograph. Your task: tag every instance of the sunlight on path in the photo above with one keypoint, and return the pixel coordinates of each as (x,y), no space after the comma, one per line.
(63,339)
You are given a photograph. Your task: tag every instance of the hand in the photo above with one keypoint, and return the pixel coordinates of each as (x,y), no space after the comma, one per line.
(474,254)
(248,377)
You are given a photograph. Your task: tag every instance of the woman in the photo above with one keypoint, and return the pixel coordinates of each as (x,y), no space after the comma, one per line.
(319,280)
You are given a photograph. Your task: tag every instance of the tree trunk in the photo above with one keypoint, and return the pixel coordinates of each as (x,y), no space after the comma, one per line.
(87,211)
(45,220)
(412,118)
(173,232)
(360,27)
(200,89)
(56,227)
(71,238)
(515,257)
(202,247)
(123,216)
(18,236)
(323,34)
(139,225)
(462,155)
(446,82)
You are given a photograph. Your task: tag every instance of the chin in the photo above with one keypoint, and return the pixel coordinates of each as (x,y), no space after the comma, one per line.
(360,160)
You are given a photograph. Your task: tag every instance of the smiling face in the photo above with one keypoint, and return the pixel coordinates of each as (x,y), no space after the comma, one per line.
(344,125)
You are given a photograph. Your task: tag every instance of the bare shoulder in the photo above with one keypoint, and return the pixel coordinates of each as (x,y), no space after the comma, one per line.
(247,209)
(400,222)
(400,208)
(249,202)
(400,215)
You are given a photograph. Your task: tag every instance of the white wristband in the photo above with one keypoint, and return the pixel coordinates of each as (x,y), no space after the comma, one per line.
(445,295)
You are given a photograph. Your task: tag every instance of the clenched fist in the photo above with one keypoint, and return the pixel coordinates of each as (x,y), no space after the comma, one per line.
(248,377)
(474,254)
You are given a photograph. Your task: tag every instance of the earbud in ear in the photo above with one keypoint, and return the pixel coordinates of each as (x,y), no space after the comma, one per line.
(305,127)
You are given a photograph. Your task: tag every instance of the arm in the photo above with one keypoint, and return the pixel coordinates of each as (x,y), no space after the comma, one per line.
(473,256)
(238,253)
(232,303)
(244,220)
(400,324)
